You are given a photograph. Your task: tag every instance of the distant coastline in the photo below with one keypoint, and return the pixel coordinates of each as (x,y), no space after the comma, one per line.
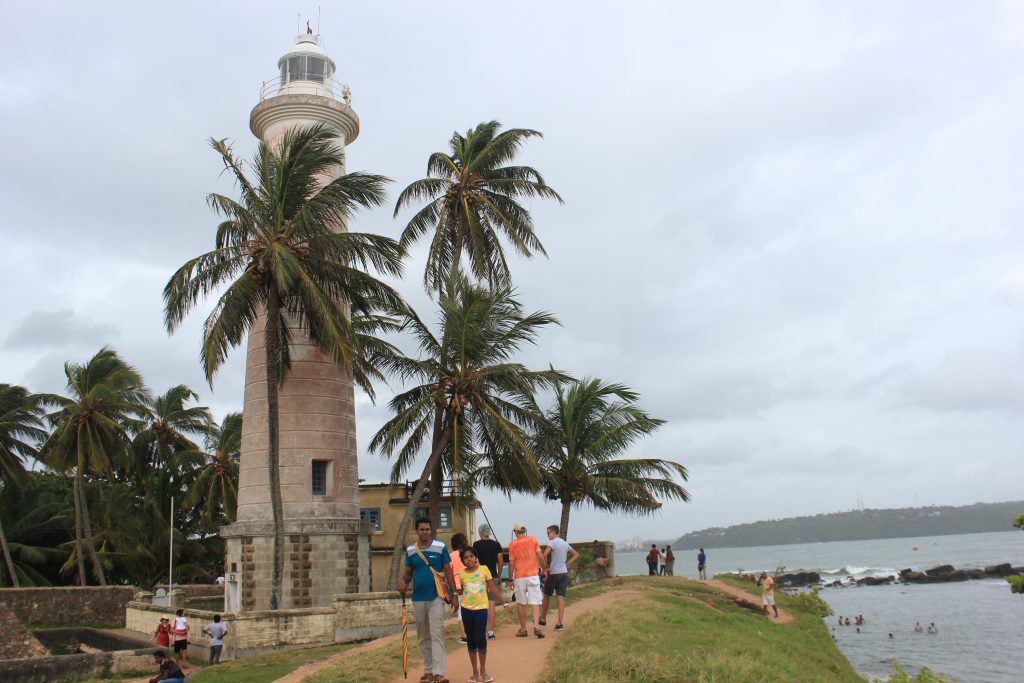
(857,525)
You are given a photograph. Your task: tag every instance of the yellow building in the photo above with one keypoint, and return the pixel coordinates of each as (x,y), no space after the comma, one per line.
(383,505)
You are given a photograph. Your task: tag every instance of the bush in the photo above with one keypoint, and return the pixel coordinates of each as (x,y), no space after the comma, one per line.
(925,675)
(812,603)
(1016,583)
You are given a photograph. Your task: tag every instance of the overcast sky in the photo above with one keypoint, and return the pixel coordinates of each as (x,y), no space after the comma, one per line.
(793,227)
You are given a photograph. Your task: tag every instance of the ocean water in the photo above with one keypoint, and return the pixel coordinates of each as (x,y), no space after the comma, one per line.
(980,623)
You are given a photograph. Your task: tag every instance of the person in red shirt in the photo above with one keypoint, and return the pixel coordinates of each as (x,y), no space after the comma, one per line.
(163,632)
(526,562)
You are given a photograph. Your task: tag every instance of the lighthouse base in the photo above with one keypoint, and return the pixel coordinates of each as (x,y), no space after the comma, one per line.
(322,558)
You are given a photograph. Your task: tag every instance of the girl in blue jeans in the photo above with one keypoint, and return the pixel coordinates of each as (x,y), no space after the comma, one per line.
(476,581)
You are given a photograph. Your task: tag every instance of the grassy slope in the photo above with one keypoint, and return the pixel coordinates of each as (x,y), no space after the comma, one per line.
(682,631)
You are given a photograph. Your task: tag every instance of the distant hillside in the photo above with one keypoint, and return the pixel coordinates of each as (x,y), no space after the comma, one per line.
(859,525)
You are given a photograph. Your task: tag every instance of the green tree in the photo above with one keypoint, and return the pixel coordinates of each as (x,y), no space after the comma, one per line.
(21,428)
(286,268)
(469,397)
(38,523)
(91,432)
(472,201)
(216,486)
(589,426)
(1018,521)
(166,437)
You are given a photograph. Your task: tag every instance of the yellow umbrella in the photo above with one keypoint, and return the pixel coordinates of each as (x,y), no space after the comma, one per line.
(405,640)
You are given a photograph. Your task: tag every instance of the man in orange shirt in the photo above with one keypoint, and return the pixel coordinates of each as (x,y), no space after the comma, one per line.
(526,563)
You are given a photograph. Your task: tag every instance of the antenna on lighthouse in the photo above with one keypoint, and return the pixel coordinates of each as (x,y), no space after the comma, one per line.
(318,19)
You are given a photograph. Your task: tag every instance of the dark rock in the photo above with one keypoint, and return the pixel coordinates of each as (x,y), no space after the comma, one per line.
(874,580)
(999,569)
(798,579)
(906,572)
(974,573)
(958,575)
(1018,570)
(921,577)
(941,570)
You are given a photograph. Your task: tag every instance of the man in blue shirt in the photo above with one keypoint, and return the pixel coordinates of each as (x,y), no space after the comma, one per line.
(427,605)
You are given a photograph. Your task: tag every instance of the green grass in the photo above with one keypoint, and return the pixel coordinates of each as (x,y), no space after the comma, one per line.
(264,668)
(684,631)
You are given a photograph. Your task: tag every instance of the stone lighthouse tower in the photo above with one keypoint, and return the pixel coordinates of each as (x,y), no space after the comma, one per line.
(327,548)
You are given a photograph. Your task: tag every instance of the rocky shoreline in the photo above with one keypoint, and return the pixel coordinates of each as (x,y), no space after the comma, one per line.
(941,574)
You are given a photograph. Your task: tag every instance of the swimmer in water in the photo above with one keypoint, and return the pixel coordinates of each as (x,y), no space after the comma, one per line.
(918,628)
(932,628)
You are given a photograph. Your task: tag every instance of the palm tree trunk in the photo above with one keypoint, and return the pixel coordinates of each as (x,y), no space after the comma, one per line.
(97,568)
(272,338)
(563,525)
(436,484)
(79,554)
(440,439)
(7,558)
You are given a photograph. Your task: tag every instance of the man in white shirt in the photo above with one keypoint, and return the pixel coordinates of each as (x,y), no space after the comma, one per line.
(559,556)
(216,631)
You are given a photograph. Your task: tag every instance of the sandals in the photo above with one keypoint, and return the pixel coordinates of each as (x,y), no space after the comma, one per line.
(522,633)
(537,632)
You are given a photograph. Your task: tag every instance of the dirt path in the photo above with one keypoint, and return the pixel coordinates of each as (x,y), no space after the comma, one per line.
(784,616)
(525,656)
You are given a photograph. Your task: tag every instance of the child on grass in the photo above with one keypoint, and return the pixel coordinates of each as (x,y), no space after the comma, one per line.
(476,581)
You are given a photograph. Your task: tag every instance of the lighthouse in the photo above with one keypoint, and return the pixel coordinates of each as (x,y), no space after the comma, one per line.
(327,548)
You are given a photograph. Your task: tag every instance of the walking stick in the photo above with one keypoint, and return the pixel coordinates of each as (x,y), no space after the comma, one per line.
(405,640)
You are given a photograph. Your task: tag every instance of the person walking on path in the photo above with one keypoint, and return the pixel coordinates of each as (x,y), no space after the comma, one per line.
(670,561)
(424,560)
(559,556)
(170,672)
(180,631)
(476,586)
(702,563)
(652,560)
(458,543)
(526,562)
(767,584)
(489,553)
(162,635)
(216,631)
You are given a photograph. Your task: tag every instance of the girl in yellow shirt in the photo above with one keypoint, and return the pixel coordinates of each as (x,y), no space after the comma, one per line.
(476,581)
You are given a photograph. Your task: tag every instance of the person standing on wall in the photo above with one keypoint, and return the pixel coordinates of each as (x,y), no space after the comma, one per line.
(526,562)
(489,552)
(424,560)
(559,556)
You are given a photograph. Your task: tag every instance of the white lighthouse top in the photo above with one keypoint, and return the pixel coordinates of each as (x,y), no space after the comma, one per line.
(306,70)
(309,48)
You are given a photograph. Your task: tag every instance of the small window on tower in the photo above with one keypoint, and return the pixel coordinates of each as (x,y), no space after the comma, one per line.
(319,477)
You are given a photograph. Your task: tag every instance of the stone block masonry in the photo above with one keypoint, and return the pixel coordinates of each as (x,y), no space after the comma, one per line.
(358,616)
(322,558)
(91,605)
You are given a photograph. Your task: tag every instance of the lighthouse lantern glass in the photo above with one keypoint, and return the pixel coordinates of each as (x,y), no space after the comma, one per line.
(304,68)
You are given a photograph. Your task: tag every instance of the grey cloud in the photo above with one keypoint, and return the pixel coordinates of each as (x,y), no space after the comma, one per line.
(61,328)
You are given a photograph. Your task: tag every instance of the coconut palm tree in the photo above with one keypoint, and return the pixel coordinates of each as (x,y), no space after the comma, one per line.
(472,202)
(21,428)
(216,485)
(286,268)
(589,426)
(165,440)
(470,396)
(106,402)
